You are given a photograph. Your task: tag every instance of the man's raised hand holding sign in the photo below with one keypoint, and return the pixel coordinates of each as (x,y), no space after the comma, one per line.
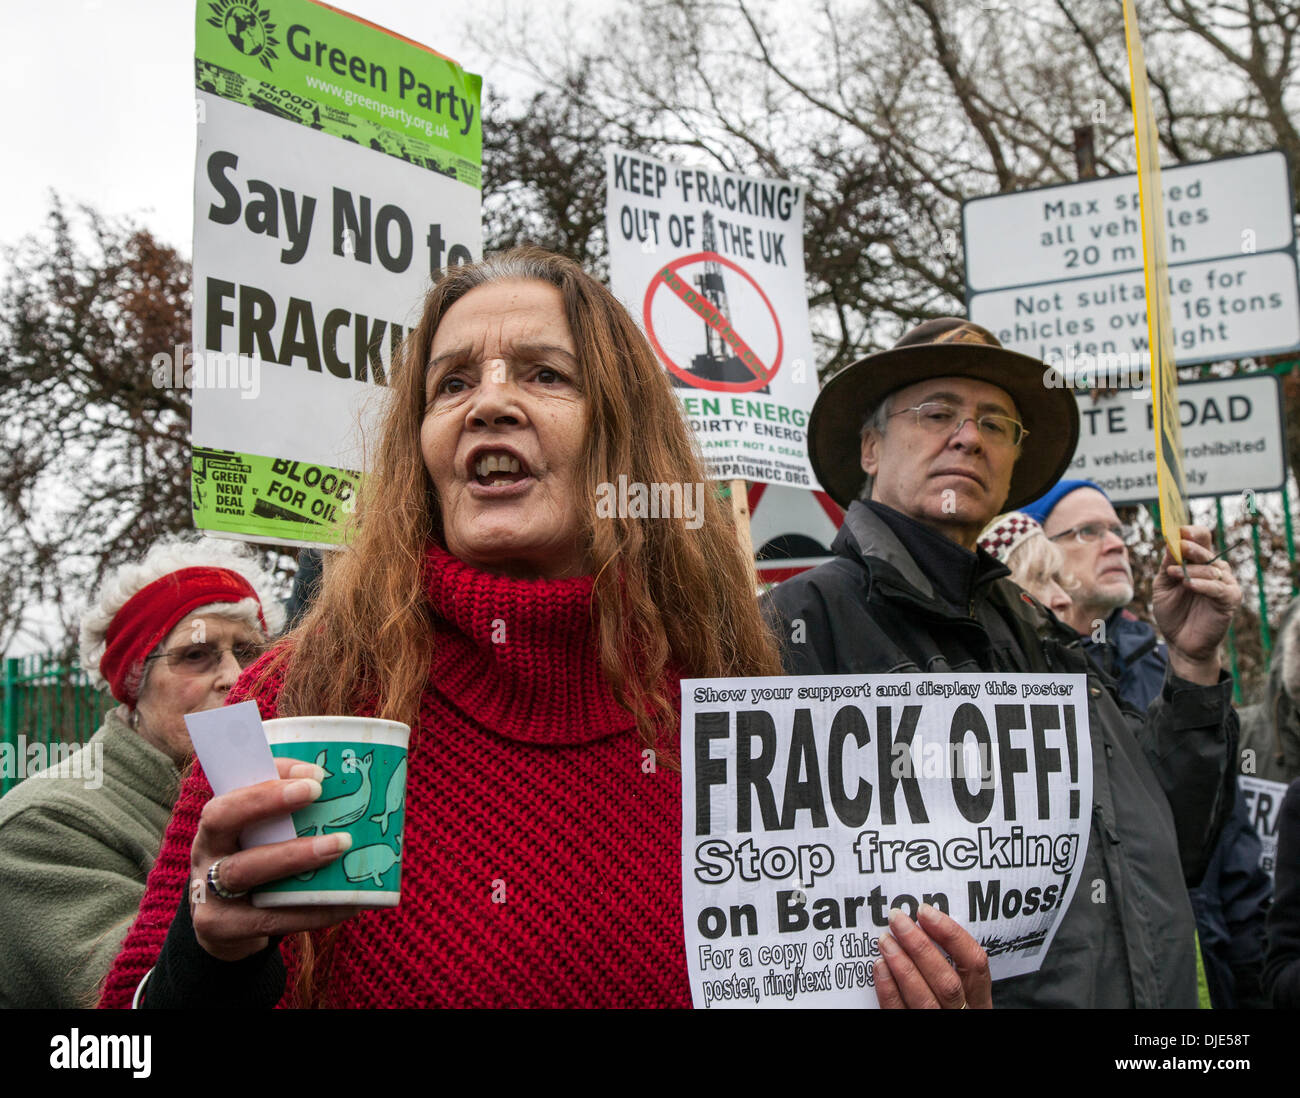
(1194,603)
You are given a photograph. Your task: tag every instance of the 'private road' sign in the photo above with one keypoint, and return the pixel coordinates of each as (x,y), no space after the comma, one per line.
(1232,439)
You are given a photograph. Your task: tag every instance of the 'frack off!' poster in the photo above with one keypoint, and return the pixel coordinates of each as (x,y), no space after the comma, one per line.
(338,171)
(812,806)
(1264,806)
(711,264)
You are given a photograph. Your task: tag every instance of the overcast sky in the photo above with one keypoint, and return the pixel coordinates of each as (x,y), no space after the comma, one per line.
(99,100)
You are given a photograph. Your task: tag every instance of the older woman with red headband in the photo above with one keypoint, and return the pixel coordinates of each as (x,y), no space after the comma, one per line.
(168,636)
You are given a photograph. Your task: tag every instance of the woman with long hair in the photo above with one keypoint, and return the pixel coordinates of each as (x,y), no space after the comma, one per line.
(534,640)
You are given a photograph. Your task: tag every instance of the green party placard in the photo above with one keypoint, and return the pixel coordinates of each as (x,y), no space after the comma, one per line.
(337,175)
(257,495)
(336,73)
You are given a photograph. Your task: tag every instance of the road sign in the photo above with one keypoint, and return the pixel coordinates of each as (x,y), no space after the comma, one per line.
(792,530)
(1221,309)
(1233,439)
(1056,272)
(1238,205)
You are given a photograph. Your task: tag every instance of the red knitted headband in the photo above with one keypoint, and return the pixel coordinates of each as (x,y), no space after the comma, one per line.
(153,611)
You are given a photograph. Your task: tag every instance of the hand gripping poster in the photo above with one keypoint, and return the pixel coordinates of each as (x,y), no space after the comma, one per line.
(812,806)
(711,265)
(338,172)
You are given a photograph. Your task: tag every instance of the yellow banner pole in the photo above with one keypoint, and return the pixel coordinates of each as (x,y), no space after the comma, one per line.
(1171,485)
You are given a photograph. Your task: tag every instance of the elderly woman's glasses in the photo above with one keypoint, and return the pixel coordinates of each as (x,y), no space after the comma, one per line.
(937,417)
(1091,531)
(199,659)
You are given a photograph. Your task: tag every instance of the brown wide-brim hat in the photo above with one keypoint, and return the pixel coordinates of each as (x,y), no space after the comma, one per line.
(946,347)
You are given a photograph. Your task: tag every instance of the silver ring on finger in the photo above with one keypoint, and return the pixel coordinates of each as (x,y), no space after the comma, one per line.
(214,882)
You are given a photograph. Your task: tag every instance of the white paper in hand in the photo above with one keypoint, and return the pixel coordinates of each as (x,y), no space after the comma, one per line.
(232,747)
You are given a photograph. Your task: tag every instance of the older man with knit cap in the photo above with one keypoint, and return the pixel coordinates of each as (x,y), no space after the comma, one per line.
(1233,896)
(923,444)
(1077,517)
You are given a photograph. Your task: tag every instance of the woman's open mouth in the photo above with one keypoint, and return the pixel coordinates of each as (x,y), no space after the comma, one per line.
(499,469)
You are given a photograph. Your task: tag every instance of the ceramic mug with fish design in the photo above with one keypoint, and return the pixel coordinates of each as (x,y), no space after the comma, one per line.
(364,794)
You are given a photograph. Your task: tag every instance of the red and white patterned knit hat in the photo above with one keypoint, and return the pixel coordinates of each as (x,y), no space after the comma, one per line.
(1004,533)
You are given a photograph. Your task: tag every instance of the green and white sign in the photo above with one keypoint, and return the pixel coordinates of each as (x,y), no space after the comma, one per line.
(338,172)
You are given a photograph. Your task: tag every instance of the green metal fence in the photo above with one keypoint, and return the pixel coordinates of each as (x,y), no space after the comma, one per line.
(45,701)
(1281,370)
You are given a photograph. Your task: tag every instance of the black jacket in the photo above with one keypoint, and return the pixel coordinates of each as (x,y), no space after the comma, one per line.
(1233,896)
(1231,903)
(1162,785)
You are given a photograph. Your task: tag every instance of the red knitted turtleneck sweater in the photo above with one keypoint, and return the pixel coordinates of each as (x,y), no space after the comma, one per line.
(526,778)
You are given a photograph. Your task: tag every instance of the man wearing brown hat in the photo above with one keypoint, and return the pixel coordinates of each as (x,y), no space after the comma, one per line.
(924,444)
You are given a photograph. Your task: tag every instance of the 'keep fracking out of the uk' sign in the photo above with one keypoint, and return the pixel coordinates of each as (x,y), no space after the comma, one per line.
(711,264)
